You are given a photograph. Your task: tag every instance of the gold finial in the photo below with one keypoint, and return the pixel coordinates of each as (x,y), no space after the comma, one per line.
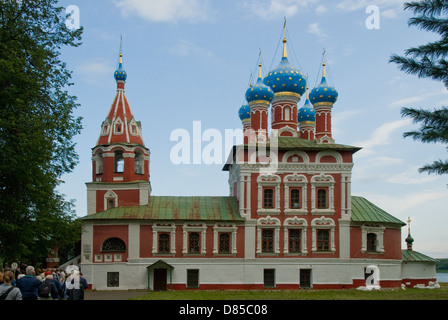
(284,55)
(409,225)
(323,63)
(259,70)
(307,93)
(121,58)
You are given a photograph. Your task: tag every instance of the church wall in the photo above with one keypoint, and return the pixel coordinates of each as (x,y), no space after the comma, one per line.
(103,232)
(390,242)
(245,273)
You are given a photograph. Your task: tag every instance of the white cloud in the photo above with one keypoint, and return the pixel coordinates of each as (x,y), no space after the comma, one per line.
(315,29)
(352,5)
(381,136)
(411,176)
(389,13)
(421,97)
(92,72)
(273,9)
(411,203)
(187,48)
(321,9)
(166,10)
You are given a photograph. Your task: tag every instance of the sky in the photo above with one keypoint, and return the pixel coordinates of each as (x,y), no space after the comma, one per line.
(189,64)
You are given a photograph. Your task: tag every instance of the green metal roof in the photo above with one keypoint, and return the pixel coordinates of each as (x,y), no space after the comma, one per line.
(292,143)
(414,256)
(176,208)
(365,211)
(299,143)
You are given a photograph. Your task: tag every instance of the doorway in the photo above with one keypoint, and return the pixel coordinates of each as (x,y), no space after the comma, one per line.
(160,279)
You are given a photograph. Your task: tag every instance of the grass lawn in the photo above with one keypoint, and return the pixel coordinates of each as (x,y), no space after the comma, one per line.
(308,294)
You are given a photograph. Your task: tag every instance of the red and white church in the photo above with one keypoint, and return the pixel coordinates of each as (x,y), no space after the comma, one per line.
(289,222)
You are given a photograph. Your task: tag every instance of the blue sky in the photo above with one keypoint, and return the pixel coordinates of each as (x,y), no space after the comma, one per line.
(191,61)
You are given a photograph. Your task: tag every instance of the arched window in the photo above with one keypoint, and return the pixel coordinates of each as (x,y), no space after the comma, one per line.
(224,243)
(267,240)
(193,240)
(113,245)
(99,163)
(119,161)
(138,163)
(323,240)
(371,242)
(164,243)
(268,198)
(287,114)
(321,199)
(295,199)
(295,237)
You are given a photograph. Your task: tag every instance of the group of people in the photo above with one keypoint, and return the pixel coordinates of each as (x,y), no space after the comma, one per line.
(50,284)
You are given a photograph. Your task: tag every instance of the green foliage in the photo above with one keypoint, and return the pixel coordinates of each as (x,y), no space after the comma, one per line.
(36,129)
(442,265)
(428,61)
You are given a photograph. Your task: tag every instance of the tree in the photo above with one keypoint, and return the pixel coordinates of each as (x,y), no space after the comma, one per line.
(37,126)
(428,61)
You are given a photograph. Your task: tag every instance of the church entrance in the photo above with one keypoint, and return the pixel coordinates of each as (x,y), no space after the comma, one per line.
(159,279)
(159,273)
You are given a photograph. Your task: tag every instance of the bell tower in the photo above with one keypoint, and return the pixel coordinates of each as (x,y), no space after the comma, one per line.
(120,160)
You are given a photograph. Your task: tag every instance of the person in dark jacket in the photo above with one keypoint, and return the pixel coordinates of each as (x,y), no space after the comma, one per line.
(29,284)
(53,291)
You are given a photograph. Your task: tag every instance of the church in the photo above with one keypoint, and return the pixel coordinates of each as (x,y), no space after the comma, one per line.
(289,221)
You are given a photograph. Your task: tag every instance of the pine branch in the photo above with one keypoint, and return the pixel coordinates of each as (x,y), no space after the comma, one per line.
(437,167)
(433,50)
(427,7)
(430,23)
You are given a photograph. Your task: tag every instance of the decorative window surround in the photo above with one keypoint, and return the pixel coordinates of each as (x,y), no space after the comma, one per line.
(269,180)
(229,228)
(269,223)
(299,181)
(118,126)
(295,223)
(379,231)
(322,223)
(168,228)
(326,181)
(194,227)
(105,127)
(110,195)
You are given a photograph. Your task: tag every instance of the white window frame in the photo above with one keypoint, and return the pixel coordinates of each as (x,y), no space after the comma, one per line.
(220,228)
(268,181)
(268,223)
(299,181)
(163,228)
(322,181)
(376,229)
(295,223)
(320,224)
(189,227)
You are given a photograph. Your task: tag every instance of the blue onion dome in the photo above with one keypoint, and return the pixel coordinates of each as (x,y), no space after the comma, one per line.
(244,112)
(259,91)
(120,74)
(323,92)
(286,78)
(307,112)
